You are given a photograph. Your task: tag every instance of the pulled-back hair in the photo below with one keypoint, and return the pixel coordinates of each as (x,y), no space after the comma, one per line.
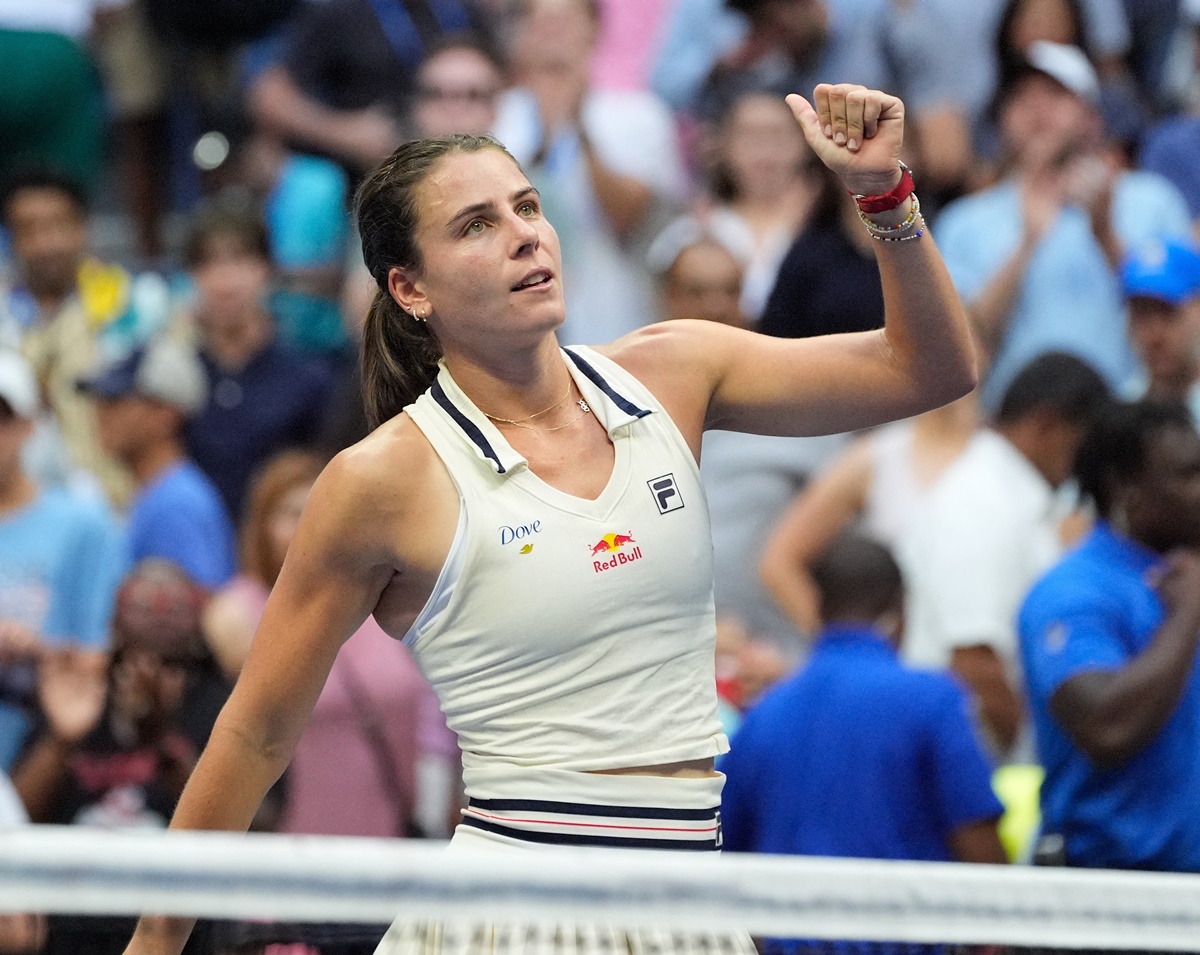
(1057,382)
(399,354)
(1115,448)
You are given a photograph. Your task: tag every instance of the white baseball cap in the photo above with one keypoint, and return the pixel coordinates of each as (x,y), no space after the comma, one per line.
(1066,65)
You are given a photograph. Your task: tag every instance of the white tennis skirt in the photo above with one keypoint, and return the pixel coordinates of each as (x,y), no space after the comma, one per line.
(515,809)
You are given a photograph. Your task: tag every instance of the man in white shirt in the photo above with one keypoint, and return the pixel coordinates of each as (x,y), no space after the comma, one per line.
(990,529)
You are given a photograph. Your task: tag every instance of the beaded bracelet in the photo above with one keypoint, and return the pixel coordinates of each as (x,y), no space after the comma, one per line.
(878,230)
(900,238)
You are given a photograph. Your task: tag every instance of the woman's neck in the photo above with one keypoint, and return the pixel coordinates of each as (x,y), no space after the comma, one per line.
(511,385)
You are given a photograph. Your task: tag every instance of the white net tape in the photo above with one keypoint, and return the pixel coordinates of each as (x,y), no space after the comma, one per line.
(311,879)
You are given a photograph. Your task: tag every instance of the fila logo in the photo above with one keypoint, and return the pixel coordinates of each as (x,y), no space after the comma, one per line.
(666,494)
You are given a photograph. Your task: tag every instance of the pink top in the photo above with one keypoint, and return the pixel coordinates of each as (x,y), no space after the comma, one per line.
(630,35)
(337,785)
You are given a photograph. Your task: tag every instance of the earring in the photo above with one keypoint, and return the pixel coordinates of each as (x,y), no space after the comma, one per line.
(416,317)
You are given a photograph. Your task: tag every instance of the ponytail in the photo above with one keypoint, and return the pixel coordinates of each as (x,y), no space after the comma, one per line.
(399,353)
(399,359)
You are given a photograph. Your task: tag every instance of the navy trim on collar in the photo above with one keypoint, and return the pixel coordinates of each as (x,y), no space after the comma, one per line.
(600,382)
(468,426)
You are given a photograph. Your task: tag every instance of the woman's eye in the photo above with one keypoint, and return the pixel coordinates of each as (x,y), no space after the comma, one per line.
(527,209)
(474,227)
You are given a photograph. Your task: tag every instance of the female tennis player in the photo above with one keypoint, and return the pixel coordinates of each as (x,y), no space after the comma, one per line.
(529,519)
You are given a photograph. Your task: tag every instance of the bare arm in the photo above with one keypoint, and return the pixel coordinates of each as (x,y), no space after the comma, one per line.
(978,842)
(337,566)
(1000,706)
(625,200)
(1113,714)
(826,505)
(283,109)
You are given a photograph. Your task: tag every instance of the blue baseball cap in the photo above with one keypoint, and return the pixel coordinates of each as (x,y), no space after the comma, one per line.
(1163,269)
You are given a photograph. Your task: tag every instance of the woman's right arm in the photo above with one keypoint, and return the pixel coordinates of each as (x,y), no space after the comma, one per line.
(336,567)
(826,505)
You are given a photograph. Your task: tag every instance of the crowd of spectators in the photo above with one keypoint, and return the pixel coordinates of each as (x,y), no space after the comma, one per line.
(1024,563)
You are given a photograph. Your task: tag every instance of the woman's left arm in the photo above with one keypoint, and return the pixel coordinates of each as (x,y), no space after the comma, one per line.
(922,358)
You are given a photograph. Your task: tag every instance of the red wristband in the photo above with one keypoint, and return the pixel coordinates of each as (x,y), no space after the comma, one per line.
(888,200)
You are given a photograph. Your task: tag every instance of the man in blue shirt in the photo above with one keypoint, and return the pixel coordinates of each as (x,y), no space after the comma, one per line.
(60,564)
(177,513)
(1109,640)
(856,755)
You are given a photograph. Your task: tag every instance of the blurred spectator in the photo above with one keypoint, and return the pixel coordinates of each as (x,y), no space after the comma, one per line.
(60,562)
(457,88)
(856,755)
(118,740)
(1169,149)
(261,396)
(630,31)
(606,162)
(1162,282)
(69,311)
(881,483)
(989,529)
(921,51)
(1035,256)
(50,108)
(828,281)
(1108,639)
(176,514)
(343,81)
(376,720)
(764,184)
(700,272)
(1098,28)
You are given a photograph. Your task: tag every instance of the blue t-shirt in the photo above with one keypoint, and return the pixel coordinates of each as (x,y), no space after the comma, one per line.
(277,401)
(1095,611)
(61,561)
(1070,299)
(180,517)
(858,756)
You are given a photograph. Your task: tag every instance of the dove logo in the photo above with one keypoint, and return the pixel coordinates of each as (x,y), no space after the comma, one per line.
(522,532)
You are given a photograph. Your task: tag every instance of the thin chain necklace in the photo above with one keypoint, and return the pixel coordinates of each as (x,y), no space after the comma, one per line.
(518,422)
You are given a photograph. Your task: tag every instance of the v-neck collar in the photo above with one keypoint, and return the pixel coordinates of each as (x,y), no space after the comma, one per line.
(614,410)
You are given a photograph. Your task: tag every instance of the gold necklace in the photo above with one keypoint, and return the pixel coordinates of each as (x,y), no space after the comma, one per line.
(517,422)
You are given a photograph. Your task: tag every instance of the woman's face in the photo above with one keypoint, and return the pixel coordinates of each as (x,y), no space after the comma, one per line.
(231,282)
(764,147)
(491,263)
(281,525)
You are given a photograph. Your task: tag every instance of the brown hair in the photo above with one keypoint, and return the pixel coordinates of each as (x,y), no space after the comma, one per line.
(224,218)
(399,354)
(277,477)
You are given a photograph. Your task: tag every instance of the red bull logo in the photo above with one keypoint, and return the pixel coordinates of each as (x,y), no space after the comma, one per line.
(616,545)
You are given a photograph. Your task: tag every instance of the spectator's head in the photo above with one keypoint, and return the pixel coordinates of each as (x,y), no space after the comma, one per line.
(1161,280)
(143,400)
(700,272)
(228,256)
(46,214)
(18,408)
(1140,464)
(759,151)
(800,27)
(1048,107)
(552,46)
(1023,22)
(1047,410)
(457,88)
(158,648)
(860,583)
(277,497)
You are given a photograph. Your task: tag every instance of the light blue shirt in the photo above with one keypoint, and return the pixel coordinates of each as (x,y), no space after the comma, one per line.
(1070,299)
(61,561)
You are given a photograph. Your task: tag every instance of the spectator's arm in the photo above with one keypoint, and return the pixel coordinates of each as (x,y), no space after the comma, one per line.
(981,668)
(625,200)
(1112,714)
(978,842)
(946,153)
(361,137)
(812,521)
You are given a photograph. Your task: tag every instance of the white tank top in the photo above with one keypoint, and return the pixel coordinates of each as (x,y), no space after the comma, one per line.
(570,633)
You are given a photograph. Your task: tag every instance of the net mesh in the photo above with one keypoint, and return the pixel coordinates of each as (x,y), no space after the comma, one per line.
(332,892)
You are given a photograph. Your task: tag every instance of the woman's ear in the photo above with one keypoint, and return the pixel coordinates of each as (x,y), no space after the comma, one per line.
(407,291)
